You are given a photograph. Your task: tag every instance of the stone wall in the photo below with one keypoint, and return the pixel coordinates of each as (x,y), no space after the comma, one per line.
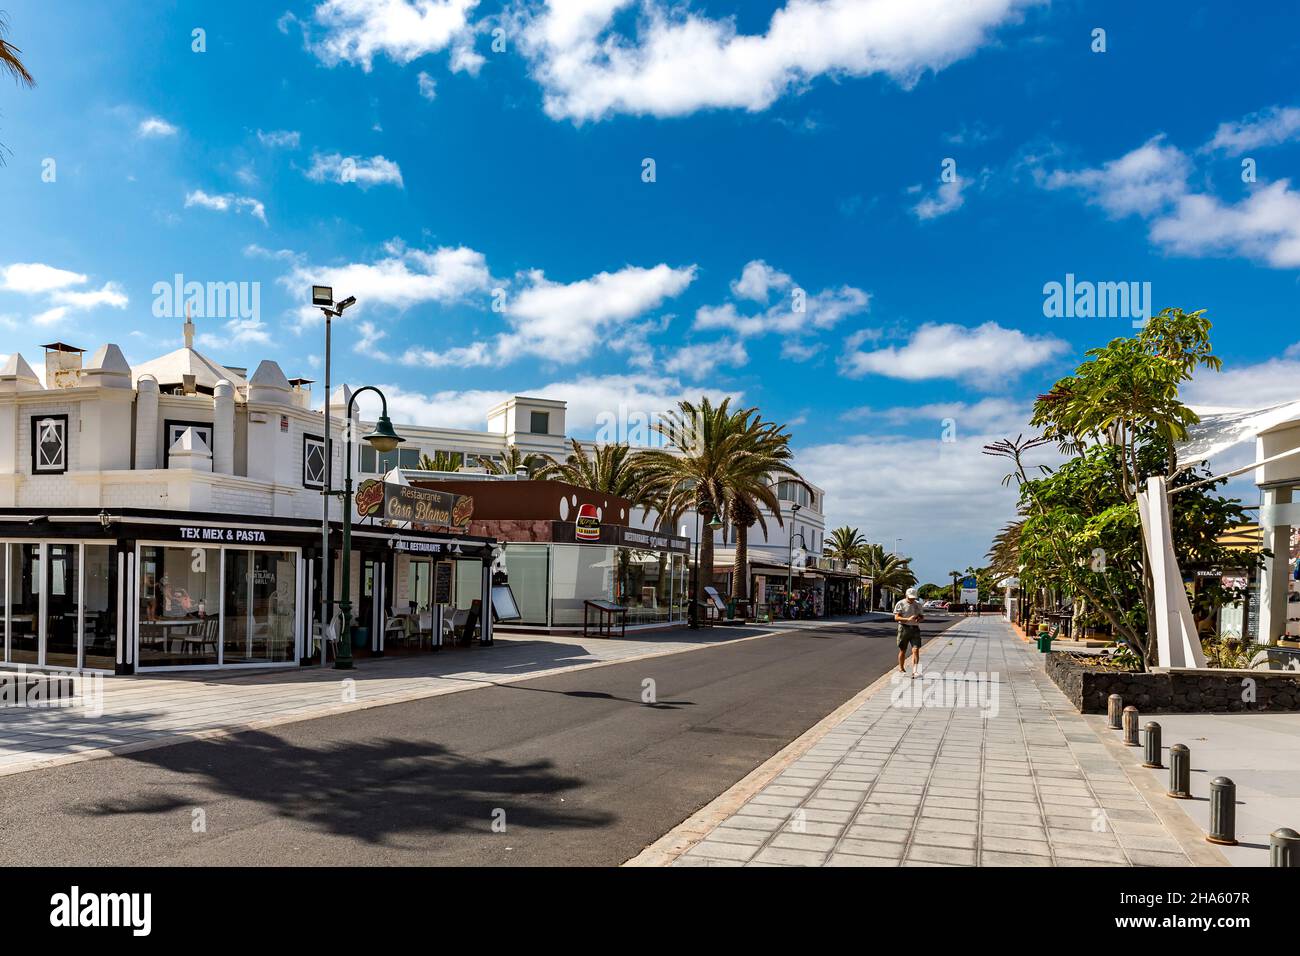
(1173,692)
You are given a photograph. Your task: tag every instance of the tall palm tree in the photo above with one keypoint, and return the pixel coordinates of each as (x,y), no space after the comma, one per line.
(511,462)
(614,469)
(442,461)
(845,545)
(723,463)
(895,573)
(11,64)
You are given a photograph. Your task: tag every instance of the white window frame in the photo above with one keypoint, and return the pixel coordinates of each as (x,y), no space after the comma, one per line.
(38,424)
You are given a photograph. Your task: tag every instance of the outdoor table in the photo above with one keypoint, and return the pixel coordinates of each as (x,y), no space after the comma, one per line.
(606,611)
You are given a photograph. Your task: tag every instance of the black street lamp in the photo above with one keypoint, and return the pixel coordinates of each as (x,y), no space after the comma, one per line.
(383,439)
(714,523)
(789,556)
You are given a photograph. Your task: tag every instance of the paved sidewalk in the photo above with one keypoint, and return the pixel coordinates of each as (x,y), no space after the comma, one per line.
(144,712)
(996,772)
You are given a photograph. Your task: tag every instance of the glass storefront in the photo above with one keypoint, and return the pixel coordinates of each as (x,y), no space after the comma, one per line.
(74,624)
(209,606)
(560,578)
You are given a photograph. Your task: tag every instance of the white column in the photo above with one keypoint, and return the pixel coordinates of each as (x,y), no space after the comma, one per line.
(1273,580)
(146,423)
(223,428)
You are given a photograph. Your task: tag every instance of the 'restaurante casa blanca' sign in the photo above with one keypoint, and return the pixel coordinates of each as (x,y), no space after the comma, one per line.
(385,500)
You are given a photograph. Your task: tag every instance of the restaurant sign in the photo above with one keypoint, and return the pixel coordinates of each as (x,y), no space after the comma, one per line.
(418,506)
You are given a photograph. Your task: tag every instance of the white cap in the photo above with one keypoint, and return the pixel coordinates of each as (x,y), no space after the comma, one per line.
(911,592)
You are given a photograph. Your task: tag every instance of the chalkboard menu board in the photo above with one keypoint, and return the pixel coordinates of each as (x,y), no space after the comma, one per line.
(442,582)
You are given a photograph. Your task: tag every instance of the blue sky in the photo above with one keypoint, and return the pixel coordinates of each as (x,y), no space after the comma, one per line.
(490,209)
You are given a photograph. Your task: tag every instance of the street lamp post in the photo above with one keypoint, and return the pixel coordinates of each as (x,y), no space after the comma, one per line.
(322,296)
(383,439)
(714,523)
(789,558)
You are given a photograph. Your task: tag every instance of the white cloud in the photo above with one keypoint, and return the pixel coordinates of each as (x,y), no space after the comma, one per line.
(32,277)
(1152,181)
(428,87)
(1142,181)
(405,278)
(110,294)
(56,286)
(356,31)
(1270,127)
(758,280)
(705,358)
(794,311)
(983,355)
(224,203)
(365,172)
(588,397)
(1255,385)
(986,415)
(566,322)
(944,499)
(682,61)
(947,198)
(1264,226)
(280,138)
(155,127)
(237,331)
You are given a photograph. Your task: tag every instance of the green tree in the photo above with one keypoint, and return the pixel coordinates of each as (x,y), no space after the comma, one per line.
(613,469)
(845,545)
(722,462)
(1118,419)
(511,462)
(442,461)
(11,63)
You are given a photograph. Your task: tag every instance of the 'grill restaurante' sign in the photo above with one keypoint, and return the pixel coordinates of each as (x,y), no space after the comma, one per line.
(381,499)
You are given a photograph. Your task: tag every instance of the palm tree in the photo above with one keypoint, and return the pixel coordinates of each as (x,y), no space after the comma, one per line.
(724,464)
(895,573)
(11,64)
(845,545)
(613,469)
(511,462)
(442,461)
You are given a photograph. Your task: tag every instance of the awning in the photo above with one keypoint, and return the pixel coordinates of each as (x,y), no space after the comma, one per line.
(1221,428)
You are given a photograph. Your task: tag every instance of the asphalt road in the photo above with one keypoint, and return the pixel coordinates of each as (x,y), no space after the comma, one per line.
(580,771)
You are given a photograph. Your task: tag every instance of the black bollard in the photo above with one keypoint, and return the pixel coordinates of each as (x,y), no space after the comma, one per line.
(1114,707)
(1223,812)
(1153,746)
(1130,721)
(1284,847)
(1180,772)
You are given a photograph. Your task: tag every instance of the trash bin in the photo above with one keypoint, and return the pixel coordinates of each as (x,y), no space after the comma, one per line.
(1045,643)
(360,637)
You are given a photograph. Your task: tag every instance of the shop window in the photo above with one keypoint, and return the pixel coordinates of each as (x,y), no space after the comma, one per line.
(529,569)
(539,423)
(100,634)
(313,461)
(172,430)
(49,444)
(180,596)
(258,614)
(373,463)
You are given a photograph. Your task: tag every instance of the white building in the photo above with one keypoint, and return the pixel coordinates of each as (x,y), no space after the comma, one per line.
(170,514)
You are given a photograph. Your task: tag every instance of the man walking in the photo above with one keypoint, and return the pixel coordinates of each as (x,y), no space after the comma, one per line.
(907,613)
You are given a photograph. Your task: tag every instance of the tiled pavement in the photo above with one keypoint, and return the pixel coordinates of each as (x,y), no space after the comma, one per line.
(942,784)
(142,712)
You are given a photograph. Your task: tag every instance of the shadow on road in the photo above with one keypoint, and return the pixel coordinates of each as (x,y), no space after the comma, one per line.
(375,791)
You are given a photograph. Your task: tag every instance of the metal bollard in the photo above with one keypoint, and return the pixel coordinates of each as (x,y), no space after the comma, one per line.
(1223,812)
(1284,847)
(1153,746)
(1130,721)
(1180,772)
(1114,706)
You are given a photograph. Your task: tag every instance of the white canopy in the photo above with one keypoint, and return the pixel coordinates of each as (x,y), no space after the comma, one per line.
(1222,428)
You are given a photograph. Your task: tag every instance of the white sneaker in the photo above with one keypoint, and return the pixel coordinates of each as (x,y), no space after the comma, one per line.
(916,672)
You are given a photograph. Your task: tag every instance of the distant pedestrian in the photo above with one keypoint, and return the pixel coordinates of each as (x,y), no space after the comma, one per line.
(907,613)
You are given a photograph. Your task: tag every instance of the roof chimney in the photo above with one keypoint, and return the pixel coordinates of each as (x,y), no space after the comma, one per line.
(62,365)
